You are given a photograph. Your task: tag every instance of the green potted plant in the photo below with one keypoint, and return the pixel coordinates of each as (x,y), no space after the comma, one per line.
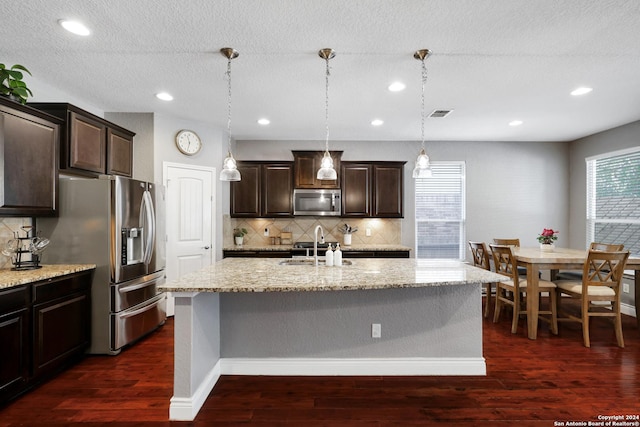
(11,83)
(239,233)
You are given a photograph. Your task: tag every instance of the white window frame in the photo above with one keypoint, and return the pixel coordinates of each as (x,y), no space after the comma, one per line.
(591,214)
(462,221)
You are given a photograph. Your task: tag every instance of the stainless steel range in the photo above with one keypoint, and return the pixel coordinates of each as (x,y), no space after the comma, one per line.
(112,222)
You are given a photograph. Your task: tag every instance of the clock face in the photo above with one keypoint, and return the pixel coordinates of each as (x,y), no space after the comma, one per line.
(188,142)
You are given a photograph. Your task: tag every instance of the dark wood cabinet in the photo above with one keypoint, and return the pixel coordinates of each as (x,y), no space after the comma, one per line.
(14,341)
(91,145)
(61,321)
(256,254)
(44,327)
(388,190)
(372,189)
(29,141)
(356,189)
(306,165)
(265,190)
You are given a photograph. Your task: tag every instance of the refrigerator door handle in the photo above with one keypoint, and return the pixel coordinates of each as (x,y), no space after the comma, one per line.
(150,223)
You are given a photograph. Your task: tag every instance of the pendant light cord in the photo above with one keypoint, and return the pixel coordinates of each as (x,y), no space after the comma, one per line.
(326,105)
(229,106)
(424,82)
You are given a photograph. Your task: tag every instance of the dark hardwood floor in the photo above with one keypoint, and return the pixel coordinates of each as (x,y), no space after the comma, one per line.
(529,383)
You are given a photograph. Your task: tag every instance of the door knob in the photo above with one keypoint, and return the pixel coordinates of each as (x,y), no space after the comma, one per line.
(206,247)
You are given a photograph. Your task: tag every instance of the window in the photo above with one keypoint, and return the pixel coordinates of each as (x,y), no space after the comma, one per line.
(440,212)
(613,199)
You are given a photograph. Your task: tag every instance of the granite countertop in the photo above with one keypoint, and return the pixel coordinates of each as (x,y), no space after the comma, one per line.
(10,278)
(357,247)
(267,275)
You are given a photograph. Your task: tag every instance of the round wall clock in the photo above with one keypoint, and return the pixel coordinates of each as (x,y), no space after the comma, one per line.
(188,142)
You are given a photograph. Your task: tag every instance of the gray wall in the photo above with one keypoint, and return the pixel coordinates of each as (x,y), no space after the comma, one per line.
(436,322)
(513,189)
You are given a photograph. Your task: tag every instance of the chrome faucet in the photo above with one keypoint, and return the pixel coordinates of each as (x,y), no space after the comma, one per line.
(315,242)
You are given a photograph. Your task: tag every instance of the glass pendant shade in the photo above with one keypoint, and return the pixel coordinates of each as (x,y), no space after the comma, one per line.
(327,171)
(423,167)
(230,170)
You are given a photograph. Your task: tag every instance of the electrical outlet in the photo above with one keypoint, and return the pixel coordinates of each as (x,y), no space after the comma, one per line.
(367,232)
(625,288)
(376,330)
(266,232)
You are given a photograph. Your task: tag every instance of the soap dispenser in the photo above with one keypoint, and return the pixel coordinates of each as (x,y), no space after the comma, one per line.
(328,257)
(337,256)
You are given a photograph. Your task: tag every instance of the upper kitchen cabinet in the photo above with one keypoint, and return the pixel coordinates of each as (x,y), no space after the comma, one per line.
(306,165)
(91,145)
(29,141)
(372,189)
(265,190)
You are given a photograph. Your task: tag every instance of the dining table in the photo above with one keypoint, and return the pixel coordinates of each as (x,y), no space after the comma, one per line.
(536,260)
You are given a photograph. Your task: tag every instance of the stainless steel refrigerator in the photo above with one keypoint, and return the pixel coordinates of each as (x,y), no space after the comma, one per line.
(113,222)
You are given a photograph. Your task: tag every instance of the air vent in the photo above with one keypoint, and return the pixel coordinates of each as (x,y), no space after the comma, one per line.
(440,113)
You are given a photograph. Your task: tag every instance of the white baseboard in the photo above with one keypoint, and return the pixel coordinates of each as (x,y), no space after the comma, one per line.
(363,366)
(628,309)
(186,408)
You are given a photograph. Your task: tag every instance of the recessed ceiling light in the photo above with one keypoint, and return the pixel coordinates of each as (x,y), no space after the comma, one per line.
(377,122)
(74,27)
(515,123)
(581,91)
(397,86)
(264,122)
(164,96)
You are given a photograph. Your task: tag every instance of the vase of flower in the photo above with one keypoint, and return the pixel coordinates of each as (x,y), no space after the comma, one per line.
(547,239)
(547,247)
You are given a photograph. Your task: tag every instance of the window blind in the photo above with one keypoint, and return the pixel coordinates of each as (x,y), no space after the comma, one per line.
(440,212)
(613,199)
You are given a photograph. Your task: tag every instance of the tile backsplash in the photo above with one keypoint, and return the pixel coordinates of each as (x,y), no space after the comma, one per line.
(383,231)
(7,227)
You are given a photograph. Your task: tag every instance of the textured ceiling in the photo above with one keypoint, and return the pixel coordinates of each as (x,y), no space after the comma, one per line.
(493,61)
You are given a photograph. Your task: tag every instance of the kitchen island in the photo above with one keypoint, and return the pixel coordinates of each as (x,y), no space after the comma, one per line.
(259,317)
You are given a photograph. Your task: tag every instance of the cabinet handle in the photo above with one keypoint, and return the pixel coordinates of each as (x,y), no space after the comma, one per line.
(206,247)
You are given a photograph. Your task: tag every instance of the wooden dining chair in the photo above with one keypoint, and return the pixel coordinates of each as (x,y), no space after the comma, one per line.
(511,242)
(481,258)
(512,290)
(577,276)
(601,282)
(508,242)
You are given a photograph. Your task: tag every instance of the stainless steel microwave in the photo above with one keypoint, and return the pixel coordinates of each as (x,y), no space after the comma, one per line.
(317,202)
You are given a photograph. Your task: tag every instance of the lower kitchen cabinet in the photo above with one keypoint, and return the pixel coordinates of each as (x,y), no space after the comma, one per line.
(256,254)
(15,347)
(44,327)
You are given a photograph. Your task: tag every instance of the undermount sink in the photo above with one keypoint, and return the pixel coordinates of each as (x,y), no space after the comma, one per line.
(306,261)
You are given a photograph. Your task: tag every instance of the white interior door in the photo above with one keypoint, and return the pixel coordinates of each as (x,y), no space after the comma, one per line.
(190,206)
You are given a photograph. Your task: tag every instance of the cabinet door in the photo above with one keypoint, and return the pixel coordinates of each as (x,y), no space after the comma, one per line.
(306,165)
(388,190)
(14,342)
(356,189)
(119,153)
(87,141)
(28,164)
(245,194)
(60,331)
(277,190)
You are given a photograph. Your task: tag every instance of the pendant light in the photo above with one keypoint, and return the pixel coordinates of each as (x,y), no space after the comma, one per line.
(326,171)
(229,170)
(423,167)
